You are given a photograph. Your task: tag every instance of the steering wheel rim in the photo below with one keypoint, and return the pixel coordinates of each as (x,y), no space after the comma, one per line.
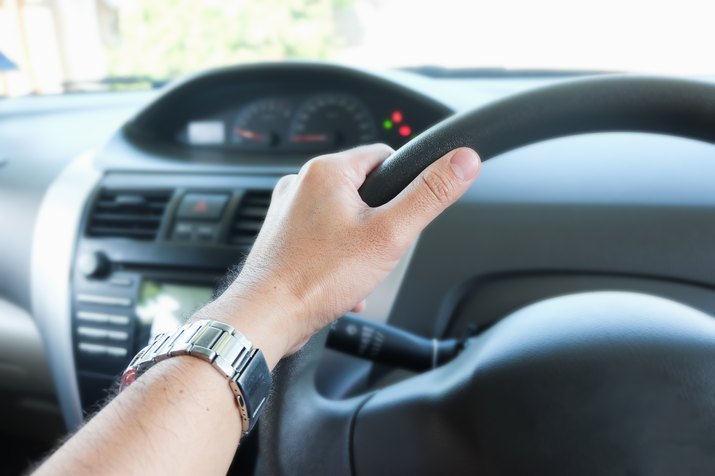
(622,103)
(297,417)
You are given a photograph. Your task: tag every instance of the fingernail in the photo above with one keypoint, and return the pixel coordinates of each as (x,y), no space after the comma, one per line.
(465,164)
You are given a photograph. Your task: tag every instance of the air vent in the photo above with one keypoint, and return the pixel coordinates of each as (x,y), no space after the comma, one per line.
(132,214)
(249,217)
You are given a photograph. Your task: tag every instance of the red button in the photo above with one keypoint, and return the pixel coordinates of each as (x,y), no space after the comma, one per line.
(202,206)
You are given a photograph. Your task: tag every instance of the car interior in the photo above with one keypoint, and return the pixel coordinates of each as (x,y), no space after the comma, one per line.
(558,319)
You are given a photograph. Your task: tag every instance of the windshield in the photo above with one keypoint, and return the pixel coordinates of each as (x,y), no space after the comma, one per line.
(50,46)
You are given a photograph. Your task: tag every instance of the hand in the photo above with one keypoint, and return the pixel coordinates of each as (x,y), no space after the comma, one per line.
(322,250)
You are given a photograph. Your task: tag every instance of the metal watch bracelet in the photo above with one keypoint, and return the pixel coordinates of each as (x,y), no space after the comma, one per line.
(219,344)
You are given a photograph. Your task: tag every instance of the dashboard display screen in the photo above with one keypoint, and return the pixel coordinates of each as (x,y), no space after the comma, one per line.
(205,132)
(164,306)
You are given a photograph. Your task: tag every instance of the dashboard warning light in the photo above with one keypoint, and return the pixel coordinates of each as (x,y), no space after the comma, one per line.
(397,117)
(405,130)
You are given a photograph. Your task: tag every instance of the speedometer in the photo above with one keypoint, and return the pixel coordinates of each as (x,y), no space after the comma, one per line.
(332,120)
(261,124)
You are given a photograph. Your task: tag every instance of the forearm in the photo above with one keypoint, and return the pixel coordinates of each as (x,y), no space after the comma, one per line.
(180,417)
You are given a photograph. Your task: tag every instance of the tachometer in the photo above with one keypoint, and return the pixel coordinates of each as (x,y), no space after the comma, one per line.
(262,124)
(332,120)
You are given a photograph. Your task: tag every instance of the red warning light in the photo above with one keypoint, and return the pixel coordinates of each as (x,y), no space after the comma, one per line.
(201,207)
(405,130)
(397,117)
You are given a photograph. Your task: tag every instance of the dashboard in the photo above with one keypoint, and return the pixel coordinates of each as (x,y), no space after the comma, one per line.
(147,224)
(275,115)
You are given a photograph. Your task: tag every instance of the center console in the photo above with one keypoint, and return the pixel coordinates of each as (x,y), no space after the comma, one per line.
(152,250)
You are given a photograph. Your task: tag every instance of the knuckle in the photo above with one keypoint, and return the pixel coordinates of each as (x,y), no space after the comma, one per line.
(283,184)
(383,148)
(378,148)
(317,167)
(438,186)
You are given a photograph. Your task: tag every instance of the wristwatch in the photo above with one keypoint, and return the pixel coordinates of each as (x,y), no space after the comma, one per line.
(219,344)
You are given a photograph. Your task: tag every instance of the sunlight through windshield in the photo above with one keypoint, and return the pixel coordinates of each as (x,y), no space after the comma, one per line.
(51,46)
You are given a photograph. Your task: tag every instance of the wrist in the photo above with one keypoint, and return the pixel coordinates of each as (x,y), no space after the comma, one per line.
(265,320)
(222,346)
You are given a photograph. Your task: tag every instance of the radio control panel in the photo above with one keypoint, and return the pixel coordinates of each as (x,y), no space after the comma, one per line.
(152,250)
(103,331)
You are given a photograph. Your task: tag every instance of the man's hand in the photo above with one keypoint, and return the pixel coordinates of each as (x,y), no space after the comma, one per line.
(322,250)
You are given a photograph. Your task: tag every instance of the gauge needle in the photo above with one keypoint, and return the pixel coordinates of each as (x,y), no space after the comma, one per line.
(252,135)
(309,138)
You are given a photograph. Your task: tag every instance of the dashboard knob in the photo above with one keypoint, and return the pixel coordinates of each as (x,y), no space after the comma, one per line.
(94,265)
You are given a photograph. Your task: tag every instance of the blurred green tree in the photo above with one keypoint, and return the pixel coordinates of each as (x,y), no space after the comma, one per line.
(166,38)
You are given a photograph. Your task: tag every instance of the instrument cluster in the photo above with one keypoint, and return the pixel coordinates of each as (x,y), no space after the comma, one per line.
(298,123)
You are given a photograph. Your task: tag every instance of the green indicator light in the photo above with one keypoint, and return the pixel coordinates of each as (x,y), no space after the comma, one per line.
(387,124)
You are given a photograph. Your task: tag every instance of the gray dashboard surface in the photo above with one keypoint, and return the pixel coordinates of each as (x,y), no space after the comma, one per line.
(38,137)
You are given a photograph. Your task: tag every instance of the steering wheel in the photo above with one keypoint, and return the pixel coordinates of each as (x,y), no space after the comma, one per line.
(597,383)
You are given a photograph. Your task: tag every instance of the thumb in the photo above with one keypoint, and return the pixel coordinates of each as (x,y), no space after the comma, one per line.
(436,188)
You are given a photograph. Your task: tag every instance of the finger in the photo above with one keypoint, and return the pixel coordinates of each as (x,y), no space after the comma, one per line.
(360,161)
(360,307)
(436,188)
